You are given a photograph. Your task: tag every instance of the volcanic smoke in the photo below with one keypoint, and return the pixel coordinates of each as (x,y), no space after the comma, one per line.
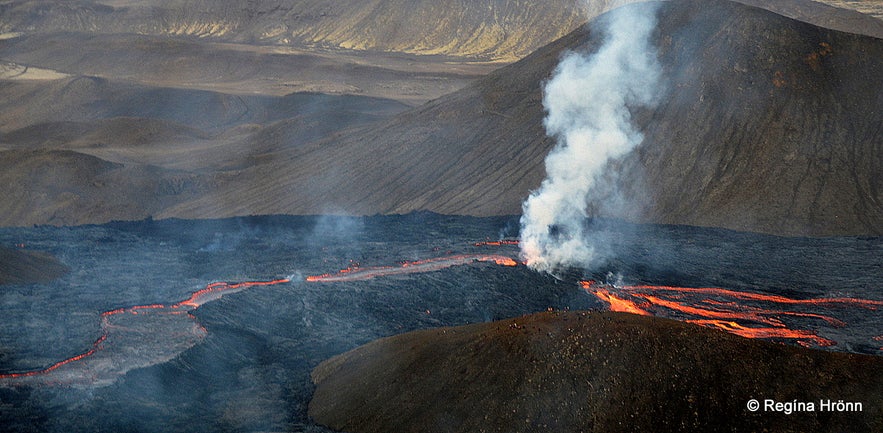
(587,102)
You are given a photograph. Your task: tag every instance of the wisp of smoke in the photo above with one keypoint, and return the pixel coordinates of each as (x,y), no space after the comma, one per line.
(586,103)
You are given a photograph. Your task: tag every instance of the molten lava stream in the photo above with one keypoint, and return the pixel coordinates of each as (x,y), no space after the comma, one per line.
(800,336)
(726,309)
(420,266)
(144,335)
(497,243)
(134,337)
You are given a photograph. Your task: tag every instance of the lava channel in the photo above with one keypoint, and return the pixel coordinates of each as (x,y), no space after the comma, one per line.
(752,315)
(357,273)
(145,335)
(133,337)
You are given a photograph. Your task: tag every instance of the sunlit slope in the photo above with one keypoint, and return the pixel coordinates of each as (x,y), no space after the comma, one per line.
(487,29)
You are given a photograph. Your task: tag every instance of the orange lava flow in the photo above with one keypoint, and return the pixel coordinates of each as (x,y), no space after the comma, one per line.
(210,292)
(620,304)
(496,243)
(216,290)
(419,266)
(866,303)
(727,310)
(799,335)
(95,347)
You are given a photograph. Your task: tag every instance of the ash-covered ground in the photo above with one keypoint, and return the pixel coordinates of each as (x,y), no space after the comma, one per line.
(251,371)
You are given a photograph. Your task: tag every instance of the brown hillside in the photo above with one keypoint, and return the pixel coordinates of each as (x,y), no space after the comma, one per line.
(588,372)
(488,29)
(500,30)
(767,124)
(122,151)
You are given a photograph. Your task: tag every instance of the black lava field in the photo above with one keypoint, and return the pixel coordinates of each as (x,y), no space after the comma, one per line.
(239,357)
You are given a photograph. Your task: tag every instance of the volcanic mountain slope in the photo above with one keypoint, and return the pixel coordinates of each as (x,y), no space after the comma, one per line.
(501,30)
(179,62)
(782,114)
(598,372)
(488,29)
(862,17)
(86,149)
(765,124)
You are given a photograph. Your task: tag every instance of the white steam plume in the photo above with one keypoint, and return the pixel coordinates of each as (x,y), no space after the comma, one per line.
(586,104)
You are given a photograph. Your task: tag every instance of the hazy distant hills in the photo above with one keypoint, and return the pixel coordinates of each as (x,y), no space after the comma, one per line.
(80,150)
(768,124)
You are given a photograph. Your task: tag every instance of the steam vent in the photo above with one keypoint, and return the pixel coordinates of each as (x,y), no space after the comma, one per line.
(591,372)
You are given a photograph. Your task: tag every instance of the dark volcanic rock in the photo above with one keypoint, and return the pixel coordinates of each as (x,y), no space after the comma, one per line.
(601,372)
(23,267)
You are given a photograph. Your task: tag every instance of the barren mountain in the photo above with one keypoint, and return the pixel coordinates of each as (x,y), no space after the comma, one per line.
(589,372)
(86,149)
(502,30)
(488,29)
(767,124)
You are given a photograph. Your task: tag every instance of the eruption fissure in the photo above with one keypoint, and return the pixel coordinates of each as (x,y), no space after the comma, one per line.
(722,312)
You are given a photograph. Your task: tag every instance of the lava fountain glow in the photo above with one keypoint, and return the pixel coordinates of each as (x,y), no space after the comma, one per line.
(144,335)
(756,316)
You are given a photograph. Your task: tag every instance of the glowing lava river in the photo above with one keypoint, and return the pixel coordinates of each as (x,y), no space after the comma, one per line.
(155,332)
(752,315)
(159,332)
(215,325)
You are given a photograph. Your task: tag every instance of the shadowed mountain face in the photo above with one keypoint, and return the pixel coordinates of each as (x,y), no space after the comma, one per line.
(765,124)
(592,372)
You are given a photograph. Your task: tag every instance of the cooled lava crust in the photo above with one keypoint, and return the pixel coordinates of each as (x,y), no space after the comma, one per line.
(582,372)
